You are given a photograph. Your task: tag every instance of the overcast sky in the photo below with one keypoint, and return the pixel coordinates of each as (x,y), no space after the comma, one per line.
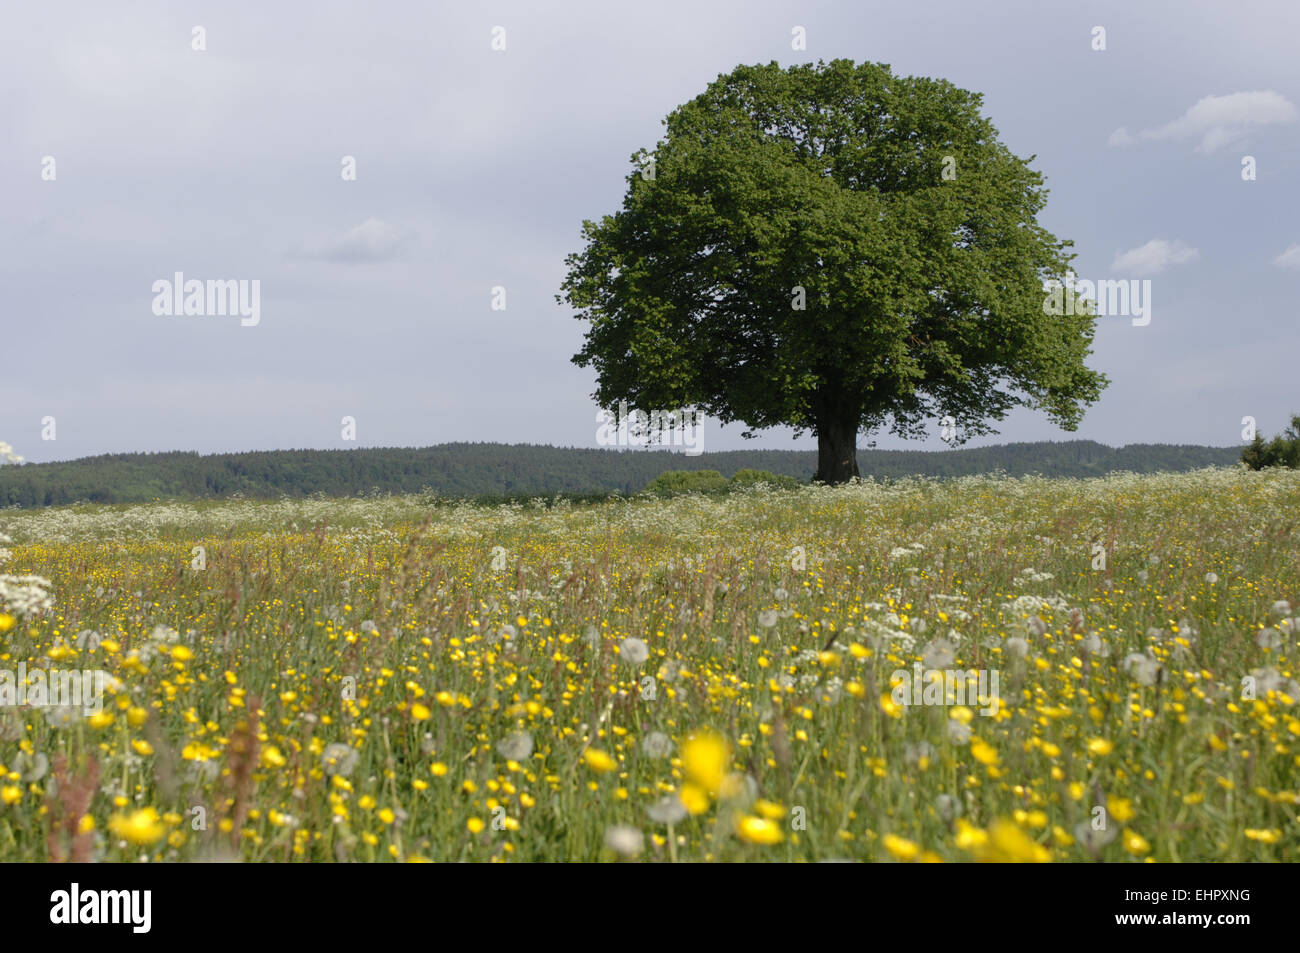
(475,168)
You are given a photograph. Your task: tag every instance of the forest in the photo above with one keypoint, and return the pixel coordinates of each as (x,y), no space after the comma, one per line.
(493,471)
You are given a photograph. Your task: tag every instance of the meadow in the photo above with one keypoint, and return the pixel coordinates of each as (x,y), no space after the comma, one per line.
(694,678)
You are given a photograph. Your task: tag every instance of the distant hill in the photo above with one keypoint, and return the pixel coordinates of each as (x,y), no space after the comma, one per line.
(514,470)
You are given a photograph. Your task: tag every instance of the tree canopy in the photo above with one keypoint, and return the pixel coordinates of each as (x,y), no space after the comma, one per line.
(835,249)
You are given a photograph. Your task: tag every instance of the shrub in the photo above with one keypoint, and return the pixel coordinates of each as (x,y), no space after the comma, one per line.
(1281,451)
(749,477)
(688,481)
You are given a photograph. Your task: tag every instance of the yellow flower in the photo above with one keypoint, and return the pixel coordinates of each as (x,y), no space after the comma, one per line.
(1035,819)
(1008,844)
(706,757)
(599,761)
(11,794)
(1135,843)
(694,798)
(86,824)
(474,824)
(769,809)
(6,621)
(437,769)
(386,815)
(1121,808)
(757,830)
(420,711)
(970,837)
(142,828)
(984,753)
(900,847)
(272,757)
(1263,836)
(1100,746)
(142,747)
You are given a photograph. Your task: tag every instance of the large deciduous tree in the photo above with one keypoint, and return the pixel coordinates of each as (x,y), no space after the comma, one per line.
(835,249)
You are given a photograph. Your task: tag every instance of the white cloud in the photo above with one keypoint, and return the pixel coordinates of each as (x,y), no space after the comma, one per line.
(1220,120)
(1153,257)
(1289,258)
(373,240)
(1120,137)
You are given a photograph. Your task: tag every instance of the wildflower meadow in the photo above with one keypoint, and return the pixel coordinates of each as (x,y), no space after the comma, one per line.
(944,671)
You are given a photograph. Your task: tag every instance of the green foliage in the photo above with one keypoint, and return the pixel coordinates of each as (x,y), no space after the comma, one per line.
(688,481)
(749,476)
(501,472)
(1281,451)
(800,258)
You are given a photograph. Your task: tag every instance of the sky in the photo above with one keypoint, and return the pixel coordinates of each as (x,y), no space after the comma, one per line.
(128,154)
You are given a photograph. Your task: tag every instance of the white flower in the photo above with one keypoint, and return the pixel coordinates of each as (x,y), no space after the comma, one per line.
(1268,638)
(668,810)
(947,806)
(32,767)
(1017,647)
(61,716)
(657,745)
(939,654)
(1211,577)
(917,751)
(1093,645)
(1093,839)
(634,650)
(1141,668)
(339,758)
(767,618)
(516,747)
(958,732)
(625,840)
(164,635)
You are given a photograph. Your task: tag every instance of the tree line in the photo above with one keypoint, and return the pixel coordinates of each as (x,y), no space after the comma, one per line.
(493,470)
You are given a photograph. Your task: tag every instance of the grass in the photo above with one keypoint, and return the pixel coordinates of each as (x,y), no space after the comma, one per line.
(405,678)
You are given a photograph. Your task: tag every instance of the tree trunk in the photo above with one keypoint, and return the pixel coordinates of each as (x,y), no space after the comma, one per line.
(837,450)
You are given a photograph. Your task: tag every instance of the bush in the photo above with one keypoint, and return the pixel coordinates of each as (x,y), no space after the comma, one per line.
(688,481)
(1281,451)
(750,477)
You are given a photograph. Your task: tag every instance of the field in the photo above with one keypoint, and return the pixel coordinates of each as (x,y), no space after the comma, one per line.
(698,678)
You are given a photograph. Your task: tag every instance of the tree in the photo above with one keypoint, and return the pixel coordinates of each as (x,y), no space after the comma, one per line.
(1282,451)
(835,249)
